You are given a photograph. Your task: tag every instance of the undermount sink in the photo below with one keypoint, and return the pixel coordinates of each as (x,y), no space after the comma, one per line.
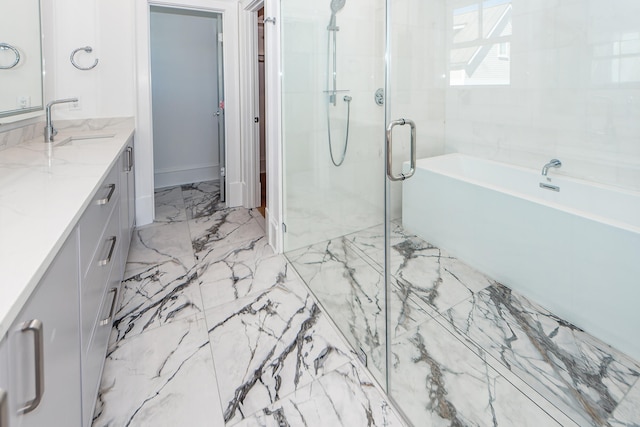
(84,138)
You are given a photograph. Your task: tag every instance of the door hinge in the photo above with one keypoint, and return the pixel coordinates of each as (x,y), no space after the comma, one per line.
(220,38)
(223,172)
(256,120)
(284,227)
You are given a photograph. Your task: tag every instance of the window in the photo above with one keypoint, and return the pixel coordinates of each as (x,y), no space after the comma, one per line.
(480,43)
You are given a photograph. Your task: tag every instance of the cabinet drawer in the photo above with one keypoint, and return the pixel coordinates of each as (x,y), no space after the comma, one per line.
(95,217)
(93,285)
(93,360)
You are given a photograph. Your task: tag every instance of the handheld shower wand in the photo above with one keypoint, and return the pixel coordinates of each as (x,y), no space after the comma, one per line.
(332,28)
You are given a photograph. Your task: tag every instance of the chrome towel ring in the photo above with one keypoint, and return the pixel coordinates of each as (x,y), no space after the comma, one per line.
(7,46)
(87,49)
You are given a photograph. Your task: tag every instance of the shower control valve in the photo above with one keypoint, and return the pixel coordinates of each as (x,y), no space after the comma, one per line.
(379,96)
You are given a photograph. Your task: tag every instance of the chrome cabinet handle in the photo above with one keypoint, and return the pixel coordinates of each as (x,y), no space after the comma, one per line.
(129,159)
(106,321)
(107,260)
(4,410)
(389,141)
(112,188)
(35,326)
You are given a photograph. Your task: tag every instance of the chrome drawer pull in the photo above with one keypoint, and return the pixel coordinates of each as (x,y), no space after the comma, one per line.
(106,321)
(4,410)
(129,159)
(112,188)
(35,326)
(107,260)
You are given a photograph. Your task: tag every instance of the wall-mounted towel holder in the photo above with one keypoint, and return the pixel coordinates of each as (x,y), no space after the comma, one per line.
(87,49)
(7,46)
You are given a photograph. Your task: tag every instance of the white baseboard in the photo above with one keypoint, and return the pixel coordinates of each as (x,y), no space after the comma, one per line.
(171,177)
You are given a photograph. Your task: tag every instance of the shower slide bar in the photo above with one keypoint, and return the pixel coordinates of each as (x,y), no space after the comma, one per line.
(7,46)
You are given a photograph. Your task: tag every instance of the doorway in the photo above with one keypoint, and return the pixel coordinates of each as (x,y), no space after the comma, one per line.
(187,97)
(262,114)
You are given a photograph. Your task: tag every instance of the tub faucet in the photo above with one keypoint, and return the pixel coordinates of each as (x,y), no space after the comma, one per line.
(553,163)
(49,130)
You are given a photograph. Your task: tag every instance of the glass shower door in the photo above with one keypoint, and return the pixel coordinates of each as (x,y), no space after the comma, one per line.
(333,136)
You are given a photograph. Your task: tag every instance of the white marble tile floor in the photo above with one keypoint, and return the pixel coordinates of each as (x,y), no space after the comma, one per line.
(214,329)
(465,349)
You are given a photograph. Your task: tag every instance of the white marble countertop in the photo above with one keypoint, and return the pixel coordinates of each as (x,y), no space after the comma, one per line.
(43,192)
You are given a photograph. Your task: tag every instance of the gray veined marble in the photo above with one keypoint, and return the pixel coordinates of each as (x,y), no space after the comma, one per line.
(222,228)
(150,378)
(202,199)
(170,206)
(267,346)
(345,397)
(439,381)
(583,377)
(230,272)
(161,282)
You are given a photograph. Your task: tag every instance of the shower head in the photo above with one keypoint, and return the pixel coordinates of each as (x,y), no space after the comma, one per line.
(336,5)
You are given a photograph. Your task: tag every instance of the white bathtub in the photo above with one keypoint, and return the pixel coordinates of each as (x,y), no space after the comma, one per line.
(576,252)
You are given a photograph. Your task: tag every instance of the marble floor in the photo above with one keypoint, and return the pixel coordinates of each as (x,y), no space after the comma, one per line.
(214,329)
(465,350)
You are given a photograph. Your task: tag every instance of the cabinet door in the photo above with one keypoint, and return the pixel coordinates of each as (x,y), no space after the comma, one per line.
(127,200)
(44,348)
(4,384)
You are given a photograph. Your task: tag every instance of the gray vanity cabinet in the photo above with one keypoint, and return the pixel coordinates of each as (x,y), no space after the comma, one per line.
(43,347)
(4,384)
(127,199)
(52,357)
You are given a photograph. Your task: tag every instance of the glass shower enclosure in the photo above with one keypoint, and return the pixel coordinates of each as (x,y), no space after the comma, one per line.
(456,173)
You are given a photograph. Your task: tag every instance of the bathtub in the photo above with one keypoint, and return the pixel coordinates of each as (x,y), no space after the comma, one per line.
(575,251)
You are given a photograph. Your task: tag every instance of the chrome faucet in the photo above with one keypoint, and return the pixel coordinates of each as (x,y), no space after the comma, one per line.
(49,130)
(553,163)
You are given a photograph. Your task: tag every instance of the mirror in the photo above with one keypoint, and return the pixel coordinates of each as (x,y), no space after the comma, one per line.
(21,89)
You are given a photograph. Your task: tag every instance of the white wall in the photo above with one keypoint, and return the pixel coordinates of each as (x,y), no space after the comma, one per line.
(571,97)
(108,27)
(118,31)
(184,68)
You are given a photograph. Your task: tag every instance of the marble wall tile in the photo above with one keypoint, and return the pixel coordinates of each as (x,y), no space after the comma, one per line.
(344,397)
(267,346)
(439,381)
(222,228)
(149,380)
(583,377)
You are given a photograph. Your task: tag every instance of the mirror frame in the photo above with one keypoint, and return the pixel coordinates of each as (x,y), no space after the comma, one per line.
(10,116)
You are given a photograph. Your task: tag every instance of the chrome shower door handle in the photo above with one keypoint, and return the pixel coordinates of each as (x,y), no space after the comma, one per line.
(389,141)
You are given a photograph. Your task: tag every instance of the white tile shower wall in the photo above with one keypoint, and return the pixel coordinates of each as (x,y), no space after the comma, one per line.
(574,94)
(335,200)
(418,82)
